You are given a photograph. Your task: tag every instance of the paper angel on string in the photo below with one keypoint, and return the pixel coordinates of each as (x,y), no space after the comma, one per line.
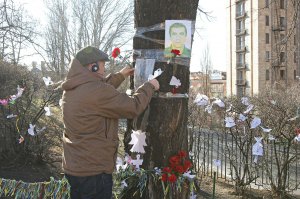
(219,102)
(20,91)
(157,73)
(255,122)
(11,116)
(249,108)
(208,109)
(48,112)
(257,149)
(297,138)
(175,82)
(47,81)
(138,162)
(242,117)
(123,184)
(157,171)
(229,122)
(188,175)
(120,164)
(245,101)
(138,140)
(31,130)
(266,130)
(271,137)
(217,163)
(201,100)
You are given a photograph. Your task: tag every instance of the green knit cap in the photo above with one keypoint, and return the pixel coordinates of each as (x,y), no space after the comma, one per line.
(90,54)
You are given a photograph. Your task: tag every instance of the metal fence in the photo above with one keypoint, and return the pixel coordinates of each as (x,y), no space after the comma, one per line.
(209,146)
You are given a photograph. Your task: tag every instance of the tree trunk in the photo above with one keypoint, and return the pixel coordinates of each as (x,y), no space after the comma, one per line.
(167,123)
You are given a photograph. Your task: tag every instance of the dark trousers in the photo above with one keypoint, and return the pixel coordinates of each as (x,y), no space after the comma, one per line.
(91,187)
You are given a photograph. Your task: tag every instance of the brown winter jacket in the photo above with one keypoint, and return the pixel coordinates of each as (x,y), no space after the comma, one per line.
(91,108)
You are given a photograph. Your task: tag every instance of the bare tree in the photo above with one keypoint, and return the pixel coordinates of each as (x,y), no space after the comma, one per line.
(206,67)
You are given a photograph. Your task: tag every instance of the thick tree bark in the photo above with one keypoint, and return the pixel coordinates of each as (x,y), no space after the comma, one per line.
(167,123)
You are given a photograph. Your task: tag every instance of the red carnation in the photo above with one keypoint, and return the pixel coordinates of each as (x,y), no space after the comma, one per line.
(187,165)
(174,160)
(164,177)
(179,169)
(172,178)
(182,154)
(115,53)
(167,169)
(175,52)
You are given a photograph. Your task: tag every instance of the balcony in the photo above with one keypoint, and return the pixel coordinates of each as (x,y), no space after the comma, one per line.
(240,32)
(278,28)
(240,15)
(241,82)
(241,66)
(240,49)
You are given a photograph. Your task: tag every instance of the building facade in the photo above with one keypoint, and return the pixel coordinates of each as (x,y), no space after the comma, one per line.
(263,43)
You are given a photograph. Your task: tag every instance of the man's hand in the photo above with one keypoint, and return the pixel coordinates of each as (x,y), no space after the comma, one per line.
(126,71)
(155,83)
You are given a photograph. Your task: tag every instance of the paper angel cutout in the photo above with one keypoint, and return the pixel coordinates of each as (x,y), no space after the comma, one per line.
(297,138)
(191,154)
(193,196)
(138,141)
(11,116)
(157,171)
(3,102)
(271,137)
(175,82)
(229,122)
(242,117)
(266,130)
(208,109)
(249,108)
(48,81)
(201,100)
(245,101)
(20,91)
(217,163)
(229,108)
(31,130)
(21,139)
(47,109)
(12,98)
(273,102)
(157,73)
(188,175)
(255,122)
(137,162)
(257,148)
(123,184)
(219,102)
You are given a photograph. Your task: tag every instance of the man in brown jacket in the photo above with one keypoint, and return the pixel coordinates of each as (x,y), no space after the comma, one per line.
(91,108)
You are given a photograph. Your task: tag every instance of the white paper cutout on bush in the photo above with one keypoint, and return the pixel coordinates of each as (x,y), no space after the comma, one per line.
(191,154)
(201,100)
(219,102)
(229,108)
(208,109)
(157,73)
(271,137)
(229,122)
(242,117)
(157,171)
(138,162)
(138,140)
(193,196)
(257,149)
(293,118)
(175,82)
(11,116)
(31,130)
(188,175)
(266,130)
(20,91)
(60,102)
(245,101)
(255,122)
(123,184)
(47,109)
(217,163)
(47,81)
(273,102)
(12,98)
(249,108)
(297,138)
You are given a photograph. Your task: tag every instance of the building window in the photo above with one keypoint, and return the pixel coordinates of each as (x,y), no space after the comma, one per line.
(267,38)
(267,75)
(282,38)
(282,74)
(240,9)
(267,3)
(267,56)
(282,57)
(240,26)
(282,2)
(240,42)
(282,21)
(267,20)
(295,57)
(240,58)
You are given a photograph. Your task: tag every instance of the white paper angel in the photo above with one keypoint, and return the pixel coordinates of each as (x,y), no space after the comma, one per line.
(242,117)
(201,100)
(271,137)
(297,138)
(245,101)
(157,171)
(249,108)
(120,165)
(123,184)
(229,108)
(188,174)
(138,140)
(255,122)
(20,91)
(11,116)
(217,163)
(47,81)
(273,102)
(257,149)
(138,162)
(208,109)
(175,82)
(229,122)
(266,130)
(219,102)
(48,111)
(157,73)
(193,196)
(31,130)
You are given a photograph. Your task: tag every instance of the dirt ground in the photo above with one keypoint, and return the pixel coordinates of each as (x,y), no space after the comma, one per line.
(38,173)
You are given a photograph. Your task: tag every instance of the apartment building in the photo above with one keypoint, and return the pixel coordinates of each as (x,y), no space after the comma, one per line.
(263,43)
